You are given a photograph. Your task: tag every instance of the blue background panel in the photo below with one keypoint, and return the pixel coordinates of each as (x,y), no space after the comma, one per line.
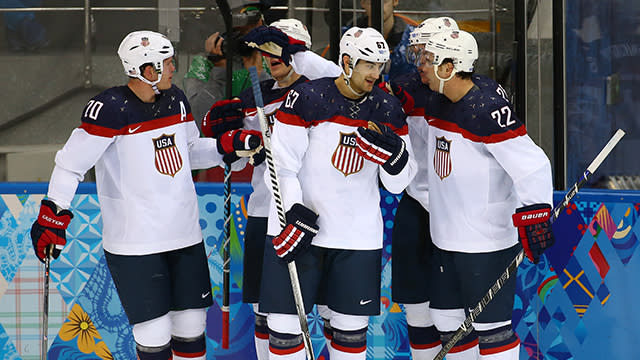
(577,303)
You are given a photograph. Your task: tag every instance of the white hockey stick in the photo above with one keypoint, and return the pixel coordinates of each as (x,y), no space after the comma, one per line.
(275,186)
(513,267)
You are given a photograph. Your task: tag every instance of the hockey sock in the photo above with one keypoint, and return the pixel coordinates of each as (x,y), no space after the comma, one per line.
(261,337)
(154,352)
(499,344)
(425,342)
(285,346)
(191,349)
(349,345)
(327,330)
(465,349)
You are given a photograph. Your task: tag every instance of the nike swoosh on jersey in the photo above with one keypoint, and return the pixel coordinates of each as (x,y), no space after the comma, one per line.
(250,113)
(131,131)
(205,294)
(365,302)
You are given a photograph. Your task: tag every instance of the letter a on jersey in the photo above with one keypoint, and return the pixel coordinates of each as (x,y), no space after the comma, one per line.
(168,159)
(441,158)
(345,158)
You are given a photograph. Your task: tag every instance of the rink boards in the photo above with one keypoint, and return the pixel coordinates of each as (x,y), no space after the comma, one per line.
(579,302)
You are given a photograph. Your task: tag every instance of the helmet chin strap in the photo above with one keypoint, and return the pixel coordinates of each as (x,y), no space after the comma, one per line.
(442,81)
(288,76)
(348,83)
(154,84)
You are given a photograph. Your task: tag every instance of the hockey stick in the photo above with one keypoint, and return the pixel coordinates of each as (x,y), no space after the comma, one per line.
(275,186)
(225,10)
(513,267)
(45,303)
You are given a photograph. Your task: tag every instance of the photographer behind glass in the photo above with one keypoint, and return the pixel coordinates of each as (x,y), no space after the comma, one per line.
(204,82)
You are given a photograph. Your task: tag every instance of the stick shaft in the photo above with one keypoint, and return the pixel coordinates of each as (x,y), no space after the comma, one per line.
(275,187)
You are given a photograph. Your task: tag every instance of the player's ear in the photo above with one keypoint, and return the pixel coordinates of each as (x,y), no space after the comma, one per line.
(346,60)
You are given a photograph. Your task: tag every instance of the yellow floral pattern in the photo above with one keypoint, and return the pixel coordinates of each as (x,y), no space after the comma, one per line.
(79,325)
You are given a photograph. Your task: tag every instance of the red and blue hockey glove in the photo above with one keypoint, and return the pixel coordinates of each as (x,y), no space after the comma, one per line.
(275,42)
(534,229)
(49,229)
(224,115)
(378,143)
(408,104)
(297,234)
(235,144)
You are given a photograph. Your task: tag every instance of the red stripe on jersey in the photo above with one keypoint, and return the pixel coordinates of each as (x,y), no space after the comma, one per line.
(416,112)
(490,139)
(295,120)
(137,128)
(261,335)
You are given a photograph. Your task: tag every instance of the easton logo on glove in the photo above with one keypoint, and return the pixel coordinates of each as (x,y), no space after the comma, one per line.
(300,229)
(50,229)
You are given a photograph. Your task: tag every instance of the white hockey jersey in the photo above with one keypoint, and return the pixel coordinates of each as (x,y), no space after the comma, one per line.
(273,96)
(143,155)
(313,145)
(484,166)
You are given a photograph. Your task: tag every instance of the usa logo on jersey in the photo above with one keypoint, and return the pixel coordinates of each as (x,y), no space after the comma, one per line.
(168,159)
(441,158)
(345,158)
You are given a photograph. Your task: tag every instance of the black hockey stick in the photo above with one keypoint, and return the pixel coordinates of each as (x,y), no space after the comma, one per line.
(225,11)
(513,267)
(45,303)
(275,186)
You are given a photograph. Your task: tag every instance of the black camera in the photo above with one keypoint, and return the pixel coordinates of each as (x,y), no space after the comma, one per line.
(235,43)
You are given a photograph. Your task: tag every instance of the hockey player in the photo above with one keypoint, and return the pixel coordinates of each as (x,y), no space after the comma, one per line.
(143,142)
(291,40)
(329,157)
(411,241)
(483,168)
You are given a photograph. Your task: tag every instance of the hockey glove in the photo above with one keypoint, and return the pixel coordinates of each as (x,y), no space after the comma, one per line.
(49,229)
(235,144)
(297,234)
(381,145)
(223,116)
(259,157)
(534,229)
(408,104)
(275,42)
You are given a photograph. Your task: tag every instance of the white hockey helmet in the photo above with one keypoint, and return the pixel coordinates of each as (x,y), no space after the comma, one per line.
(295,29)
(457,45)
(430,26)
(362,44)
(144,47)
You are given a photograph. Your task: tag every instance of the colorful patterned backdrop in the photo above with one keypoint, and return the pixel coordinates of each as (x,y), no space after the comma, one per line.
(578,303)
